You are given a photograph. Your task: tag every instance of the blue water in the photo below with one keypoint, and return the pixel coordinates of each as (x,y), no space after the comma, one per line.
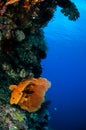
(65,67)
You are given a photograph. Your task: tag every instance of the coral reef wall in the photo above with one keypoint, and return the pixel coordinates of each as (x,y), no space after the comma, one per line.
(22,47)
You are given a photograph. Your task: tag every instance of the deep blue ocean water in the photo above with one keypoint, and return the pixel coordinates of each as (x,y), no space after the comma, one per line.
(65,67)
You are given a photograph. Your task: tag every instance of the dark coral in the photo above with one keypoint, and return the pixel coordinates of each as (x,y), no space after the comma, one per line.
(22,44)
(40,118)
(16,19)
(71,11)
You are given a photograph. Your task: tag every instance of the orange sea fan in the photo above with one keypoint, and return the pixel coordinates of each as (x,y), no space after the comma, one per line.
(29,94)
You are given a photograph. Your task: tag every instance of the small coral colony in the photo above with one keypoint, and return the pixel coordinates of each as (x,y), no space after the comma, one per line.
(22,47)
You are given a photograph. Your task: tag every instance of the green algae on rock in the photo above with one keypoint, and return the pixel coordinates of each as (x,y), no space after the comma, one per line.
(12,118)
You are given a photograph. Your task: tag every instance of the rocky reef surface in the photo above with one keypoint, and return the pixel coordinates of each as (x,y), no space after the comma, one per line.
(22,47)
